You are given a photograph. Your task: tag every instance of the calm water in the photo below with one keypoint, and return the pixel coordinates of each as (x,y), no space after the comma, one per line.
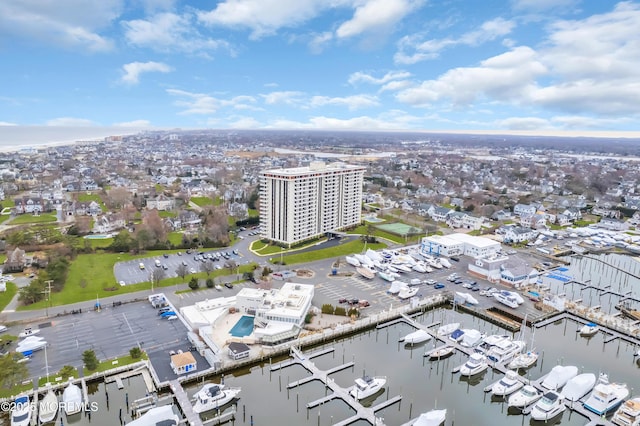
(423,384)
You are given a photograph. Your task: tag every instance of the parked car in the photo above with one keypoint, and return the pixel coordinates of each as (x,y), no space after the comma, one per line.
(228,285)
(171,317)
(3,328)
(438,286)
(343,300)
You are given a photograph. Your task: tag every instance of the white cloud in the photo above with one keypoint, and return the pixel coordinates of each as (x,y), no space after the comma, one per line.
(6,123)
(133,70)
(195,103)
(359,76)
(134,124)
(524,123)
(70,122)
(351,102)
(506,77)
(283,97)
(376,15)
(169,32)
(320,41)
(411,49)
(65,23)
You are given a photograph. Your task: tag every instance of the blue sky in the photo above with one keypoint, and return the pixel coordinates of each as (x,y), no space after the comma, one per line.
(545,66)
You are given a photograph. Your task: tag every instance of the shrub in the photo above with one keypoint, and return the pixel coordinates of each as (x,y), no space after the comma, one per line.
(135,352)
(194,284)
(340,311)
(209,283)
(327,308)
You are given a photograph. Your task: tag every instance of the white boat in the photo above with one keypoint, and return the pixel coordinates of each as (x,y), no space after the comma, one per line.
(31,344)
(559,376)
(367,386)
(419,267)
(471,338)
(506,298)
(444,262)
(403,268)
(508,384)
(589,329)
(524,397)
(72,399)
(374,255)
(465,298)
(386,276)
(416,337)
(549,406)
(606,396)
(21,411)
(628,414)
(441,352)
(491,341)
(456,335)
(366,272)
(212,396)
(407,292)
(415,281)
(524,360)
(447,329)
(48,407)
(163,415)
(505,351)
(351,260)
(28,332)
(396,286)
(431,418)
(579,386)
(477,363)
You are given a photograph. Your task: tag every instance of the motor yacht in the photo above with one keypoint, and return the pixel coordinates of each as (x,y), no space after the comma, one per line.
(589,329)
(524,360)
(456,335)
(628,414)
(407,292)
(506,298)
(549,406)
(28,332)
(353,261)
(579,386)
(431,418)
(48,407)
(416,337)
(163,415)
(477,363)
(367,386)
(471,338)
(386,276)
(606,396)
(72,399)
(510,383)
(490,342)
(366,272)
(505,351)
(212,396)
(524,397)
(559,376)
(447,329)
(21,411)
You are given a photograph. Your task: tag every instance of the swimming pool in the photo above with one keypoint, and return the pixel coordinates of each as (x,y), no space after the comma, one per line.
(243,327)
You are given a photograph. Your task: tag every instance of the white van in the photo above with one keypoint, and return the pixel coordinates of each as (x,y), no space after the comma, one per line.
(158,263)
(141,265)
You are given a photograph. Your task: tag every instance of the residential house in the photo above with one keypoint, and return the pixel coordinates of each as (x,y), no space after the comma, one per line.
(533,221)
(605,212)
(182,363)
(240,211)
(573,213)
(457,202)
(613,224)
(562,220)
(33,205)
(440,214)
(502,215)
(238,350)
(519,234)
(425,209)
(524,209)
(516,273)
(161,203)
(472,222)
(635,219)
(108,223)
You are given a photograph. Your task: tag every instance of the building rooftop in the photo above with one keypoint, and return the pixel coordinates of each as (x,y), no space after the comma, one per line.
(316,166)
(180,360)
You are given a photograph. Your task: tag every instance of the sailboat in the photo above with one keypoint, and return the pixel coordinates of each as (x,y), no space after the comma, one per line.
(48,406)
(527,358)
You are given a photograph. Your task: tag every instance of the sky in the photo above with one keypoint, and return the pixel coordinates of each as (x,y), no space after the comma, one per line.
(537,66)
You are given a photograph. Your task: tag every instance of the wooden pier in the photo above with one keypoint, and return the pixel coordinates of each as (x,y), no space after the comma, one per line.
(185,405)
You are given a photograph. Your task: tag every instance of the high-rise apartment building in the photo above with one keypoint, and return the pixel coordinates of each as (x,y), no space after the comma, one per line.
(301,203)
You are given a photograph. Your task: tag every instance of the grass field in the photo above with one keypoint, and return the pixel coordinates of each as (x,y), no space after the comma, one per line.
(202,201)
(175,238)
(165,214)
(4,217)
(6,296)
(253,213)
(113,363)
(8,203)
(29,218)
(87,198)
(362,230)
(349,248)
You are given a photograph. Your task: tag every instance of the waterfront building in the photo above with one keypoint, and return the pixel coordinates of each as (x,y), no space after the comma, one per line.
(303,203)
(456,244)
(238,350)
(184,362)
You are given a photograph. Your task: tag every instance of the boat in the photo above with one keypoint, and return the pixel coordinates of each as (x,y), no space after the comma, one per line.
(28,332)
(447,329)
(444,262)
(628,414)
(524,360)
(366,386)
(506,298)
(72,399)
(401,267)
(21,411)
(416,337)
(627,311)
(431,418)
(456,335)
(441,352)
(212,396)
(508,384)
(365,272)
(589,329)
(471,338)
(505,351)
(386,276)
(48,407)
(490,342)
(465,298)
(549,406)
(419,267)
(163,415)
(396,286)
(524,397)
(477,363)
(31,344)
(559,376)
(579,386)
(606,396)
(374,255)
(407,292)
(351,260)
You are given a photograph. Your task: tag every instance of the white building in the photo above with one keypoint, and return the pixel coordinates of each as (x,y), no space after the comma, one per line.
(302,203)
(441,245)
(456,244)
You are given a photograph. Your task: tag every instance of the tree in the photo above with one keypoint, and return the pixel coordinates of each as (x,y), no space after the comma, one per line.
(230,264)
(193,283)
(12,370)
(68,371)
(210,283)
(207,266)
(153,223)
(135,352)
(248,276)
(182,271)
(90,360)
(156,275)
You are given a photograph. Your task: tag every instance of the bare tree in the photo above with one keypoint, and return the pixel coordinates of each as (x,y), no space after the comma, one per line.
(118,197)
(230,264)
(182,271)
(207,266)
(156,275)
(153,223)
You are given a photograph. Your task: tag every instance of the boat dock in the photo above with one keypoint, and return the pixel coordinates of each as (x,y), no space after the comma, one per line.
(185,405)
(148,381)
(361,412)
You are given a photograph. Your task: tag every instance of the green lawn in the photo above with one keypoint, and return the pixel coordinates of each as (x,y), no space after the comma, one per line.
(87,198)
(349,248)
(6,296)
(4,217)
(175,238)
(362,230)
(113,363)
(8,203)
(253,213)
(202,201)
(165,214)
(29,218)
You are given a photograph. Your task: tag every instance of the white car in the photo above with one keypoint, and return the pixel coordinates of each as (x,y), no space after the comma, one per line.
(3,328)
